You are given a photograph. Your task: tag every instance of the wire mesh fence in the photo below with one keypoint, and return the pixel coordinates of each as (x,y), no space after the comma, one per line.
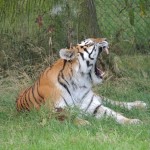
(126,25)
(33,31)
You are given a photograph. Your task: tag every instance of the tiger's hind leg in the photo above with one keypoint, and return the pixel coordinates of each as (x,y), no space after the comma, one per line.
(127,105)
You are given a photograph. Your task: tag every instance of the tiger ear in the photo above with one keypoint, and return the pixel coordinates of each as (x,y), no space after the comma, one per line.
(67,54)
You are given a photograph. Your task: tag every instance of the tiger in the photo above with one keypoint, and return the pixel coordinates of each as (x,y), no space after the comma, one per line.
(68,83)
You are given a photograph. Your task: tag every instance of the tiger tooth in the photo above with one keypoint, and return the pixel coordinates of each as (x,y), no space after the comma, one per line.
(106,50)
(102,74)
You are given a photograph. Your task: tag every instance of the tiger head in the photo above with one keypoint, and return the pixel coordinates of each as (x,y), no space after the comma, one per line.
(86,53)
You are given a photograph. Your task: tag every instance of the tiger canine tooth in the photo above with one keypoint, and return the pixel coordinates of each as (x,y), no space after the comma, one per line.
(106,50)
(102,74)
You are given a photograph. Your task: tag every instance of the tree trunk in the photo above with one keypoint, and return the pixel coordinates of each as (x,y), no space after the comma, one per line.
(88,24)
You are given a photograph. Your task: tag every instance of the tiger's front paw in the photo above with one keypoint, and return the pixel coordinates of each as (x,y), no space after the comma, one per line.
(135,121)
(140,104)
(126,121)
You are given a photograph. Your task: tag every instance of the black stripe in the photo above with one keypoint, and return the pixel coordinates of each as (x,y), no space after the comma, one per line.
(62,75)
(89,103)
(26,103)
(65,101)
(65,61)
(24,100)
(85,49)
(71,54)
(34,96)
(81,55)
(61,72)
(21,105)
(96,109)
(90,76)
(91,58)
(64,85)
(26,106)
(85,94)
(29,96)
(41,97)
(88,64)
(91,53)
(86,42)
(92,50)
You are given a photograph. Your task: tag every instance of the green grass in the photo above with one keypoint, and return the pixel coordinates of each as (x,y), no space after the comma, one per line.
(34,130)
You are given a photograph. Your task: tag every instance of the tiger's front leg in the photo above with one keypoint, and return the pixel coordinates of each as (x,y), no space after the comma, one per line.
(128,105)
(92,104)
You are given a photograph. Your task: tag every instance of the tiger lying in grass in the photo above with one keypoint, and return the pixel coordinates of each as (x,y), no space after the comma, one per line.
(68,83)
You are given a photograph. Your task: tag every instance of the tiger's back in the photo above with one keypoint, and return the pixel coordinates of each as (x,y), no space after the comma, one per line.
(46,88)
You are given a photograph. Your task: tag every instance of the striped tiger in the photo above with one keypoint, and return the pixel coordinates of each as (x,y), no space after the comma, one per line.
(68,83)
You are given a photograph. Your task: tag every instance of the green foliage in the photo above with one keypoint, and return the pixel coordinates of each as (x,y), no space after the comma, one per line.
(130,5)
(121,21)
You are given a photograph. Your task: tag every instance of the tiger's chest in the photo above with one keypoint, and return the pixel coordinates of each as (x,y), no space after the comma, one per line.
(75,89)
(83,84)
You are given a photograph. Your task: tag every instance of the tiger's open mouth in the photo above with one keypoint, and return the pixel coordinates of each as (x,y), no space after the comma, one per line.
(98,72)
